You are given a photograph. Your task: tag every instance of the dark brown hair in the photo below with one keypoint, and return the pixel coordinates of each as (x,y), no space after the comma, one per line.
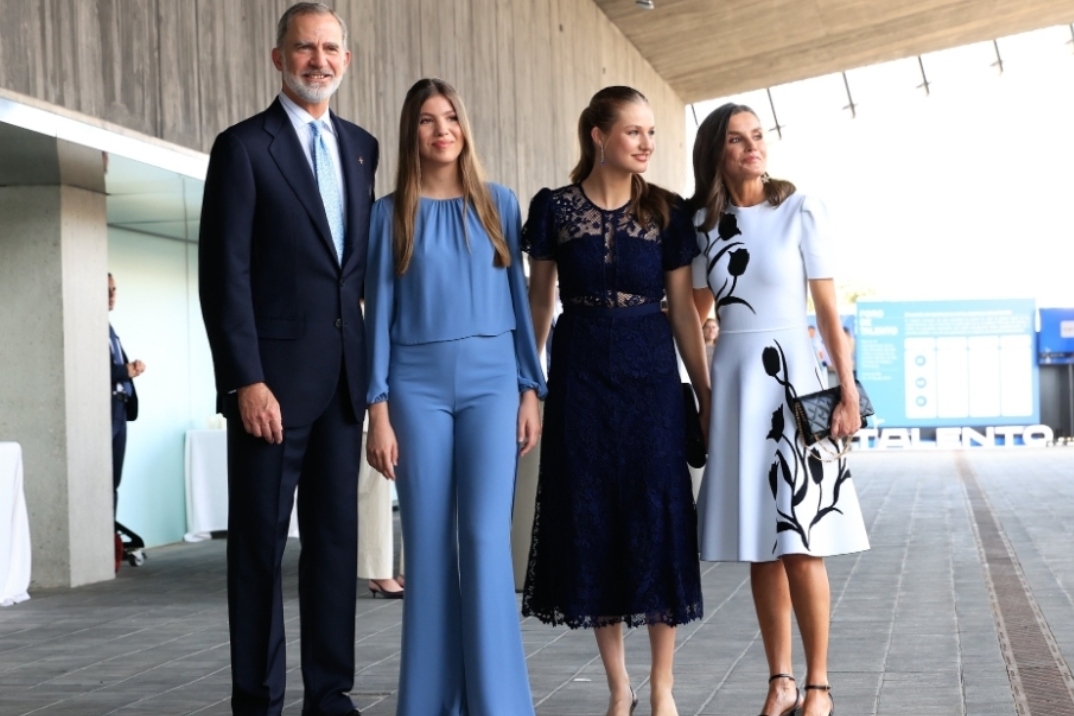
(648,202)
(475,193)
(710,192)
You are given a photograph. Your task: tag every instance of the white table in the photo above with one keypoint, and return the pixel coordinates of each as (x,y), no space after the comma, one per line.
(14,528)
(206,485)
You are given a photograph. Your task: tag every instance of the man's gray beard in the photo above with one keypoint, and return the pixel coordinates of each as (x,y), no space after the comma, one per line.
(310,94)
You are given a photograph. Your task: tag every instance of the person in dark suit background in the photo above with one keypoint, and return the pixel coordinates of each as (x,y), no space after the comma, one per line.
(284,230)
(124,396)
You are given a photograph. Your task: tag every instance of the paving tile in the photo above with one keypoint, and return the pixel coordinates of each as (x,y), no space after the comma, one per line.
(912,630)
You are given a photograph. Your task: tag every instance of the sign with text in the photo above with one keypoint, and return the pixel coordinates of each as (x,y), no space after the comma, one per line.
(949,363)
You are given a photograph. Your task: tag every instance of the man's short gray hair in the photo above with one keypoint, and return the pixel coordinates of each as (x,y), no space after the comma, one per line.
(306,8)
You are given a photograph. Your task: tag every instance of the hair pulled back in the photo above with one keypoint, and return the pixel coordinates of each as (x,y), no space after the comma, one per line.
(648,202)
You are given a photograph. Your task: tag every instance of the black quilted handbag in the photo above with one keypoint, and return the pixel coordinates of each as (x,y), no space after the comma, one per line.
(813,412)
(696,449)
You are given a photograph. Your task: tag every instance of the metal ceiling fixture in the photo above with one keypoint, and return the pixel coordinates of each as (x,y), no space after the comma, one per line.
(645,4)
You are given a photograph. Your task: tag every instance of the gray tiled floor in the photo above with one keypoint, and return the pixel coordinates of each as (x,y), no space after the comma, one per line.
(912,629)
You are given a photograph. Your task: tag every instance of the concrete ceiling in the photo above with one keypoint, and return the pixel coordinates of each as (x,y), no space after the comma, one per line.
(714,48)
(152,200)
(152,187)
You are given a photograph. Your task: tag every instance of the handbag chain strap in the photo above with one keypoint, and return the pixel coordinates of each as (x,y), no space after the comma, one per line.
(826,454)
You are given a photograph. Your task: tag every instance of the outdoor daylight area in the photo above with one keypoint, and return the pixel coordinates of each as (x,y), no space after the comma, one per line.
(946,175)
(556,358)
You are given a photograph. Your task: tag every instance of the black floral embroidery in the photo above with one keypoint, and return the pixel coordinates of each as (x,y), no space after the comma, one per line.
(793,465)
(728,227)
(737,262)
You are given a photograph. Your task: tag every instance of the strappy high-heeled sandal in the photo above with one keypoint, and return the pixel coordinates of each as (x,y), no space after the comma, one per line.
(633,701)
(798,698)
(823,687)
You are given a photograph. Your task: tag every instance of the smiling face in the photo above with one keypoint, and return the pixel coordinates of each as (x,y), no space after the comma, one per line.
(745,155)
(708,331)
(312,59)
(440,135)
(630,142)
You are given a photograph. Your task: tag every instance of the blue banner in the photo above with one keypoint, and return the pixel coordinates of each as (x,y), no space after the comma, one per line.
(949,363)
(1056,337)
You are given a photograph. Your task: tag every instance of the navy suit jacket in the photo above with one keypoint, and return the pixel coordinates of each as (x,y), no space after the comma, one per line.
(278,306)
(119,375)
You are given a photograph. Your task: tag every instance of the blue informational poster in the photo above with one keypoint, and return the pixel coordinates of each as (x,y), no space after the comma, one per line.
(949,363)
(1056,338)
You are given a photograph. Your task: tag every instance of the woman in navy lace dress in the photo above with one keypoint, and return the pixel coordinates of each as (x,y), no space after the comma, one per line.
(614,536)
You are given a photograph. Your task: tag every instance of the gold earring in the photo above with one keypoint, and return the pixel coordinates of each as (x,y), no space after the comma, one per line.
(602,155)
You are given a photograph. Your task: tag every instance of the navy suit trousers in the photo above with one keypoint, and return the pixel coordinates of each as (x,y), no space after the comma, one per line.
(321,460)
(119,446)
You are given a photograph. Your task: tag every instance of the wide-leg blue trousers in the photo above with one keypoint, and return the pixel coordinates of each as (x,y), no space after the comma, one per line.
(454,408)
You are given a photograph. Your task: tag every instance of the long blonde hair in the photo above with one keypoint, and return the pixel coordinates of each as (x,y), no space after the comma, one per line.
(475,193)
(710,192)
(648,202)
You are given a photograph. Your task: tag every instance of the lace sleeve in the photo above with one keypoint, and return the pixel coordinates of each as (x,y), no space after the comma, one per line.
(538,235)
(679,242)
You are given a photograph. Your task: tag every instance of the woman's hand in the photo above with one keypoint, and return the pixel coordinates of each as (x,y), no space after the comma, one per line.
(703,412)
(529,421)
(381,449)
(846,418)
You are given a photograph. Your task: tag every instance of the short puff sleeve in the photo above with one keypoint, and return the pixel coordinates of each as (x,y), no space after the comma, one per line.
(538,234)
(679,240)
(816,240)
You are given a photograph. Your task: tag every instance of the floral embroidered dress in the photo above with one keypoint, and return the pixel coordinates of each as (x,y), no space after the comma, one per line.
(614,535)
(763,495)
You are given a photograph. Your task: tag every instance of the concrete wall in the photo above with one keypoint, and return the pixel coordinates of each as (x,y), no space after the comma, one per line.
(183,71)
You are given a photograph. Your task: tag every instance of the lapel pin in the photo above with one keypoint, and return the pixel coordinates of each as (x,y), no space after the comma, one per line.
(361,160)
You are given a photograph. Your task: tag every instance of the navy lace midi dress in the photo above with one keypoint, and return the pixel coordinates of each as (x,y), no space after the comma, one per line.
(614,535)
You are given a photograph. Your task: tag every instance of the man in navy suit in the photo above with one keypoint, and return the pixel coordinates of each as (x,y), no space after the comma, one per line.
(284,228)
(124,396)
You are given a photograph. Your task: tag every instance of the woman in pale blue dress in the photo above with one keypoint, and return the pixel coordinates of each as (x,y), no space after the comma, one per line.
(453,390)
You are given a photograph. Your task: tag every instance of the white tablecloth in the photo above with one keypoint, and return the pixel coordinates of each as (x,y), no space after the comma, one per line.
(206,485)
(14,528)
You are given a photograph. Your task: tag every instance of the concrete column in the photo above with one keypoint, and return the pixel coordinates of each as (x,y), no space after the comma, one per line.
(54,386)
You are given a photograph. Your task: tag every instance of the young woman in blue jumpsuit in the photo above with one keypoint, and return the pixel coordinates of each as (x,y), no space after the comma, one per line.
(453,391)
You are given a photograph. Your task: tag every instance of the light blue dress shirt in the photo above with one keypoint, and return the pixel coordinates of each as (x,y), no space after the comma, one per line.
(451,289)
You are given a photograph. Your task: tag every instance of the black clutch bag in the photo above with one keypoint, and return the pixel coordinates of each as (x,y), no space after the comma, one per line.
(813,412)
(696,449)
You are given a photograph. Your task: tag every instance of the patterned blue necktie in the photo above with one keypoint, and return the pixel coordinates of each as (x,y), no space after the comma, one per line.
(328,184)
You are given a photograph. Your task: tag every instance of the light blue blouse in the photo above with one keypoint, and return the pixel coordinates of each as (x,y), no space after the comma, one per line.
(451,289)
